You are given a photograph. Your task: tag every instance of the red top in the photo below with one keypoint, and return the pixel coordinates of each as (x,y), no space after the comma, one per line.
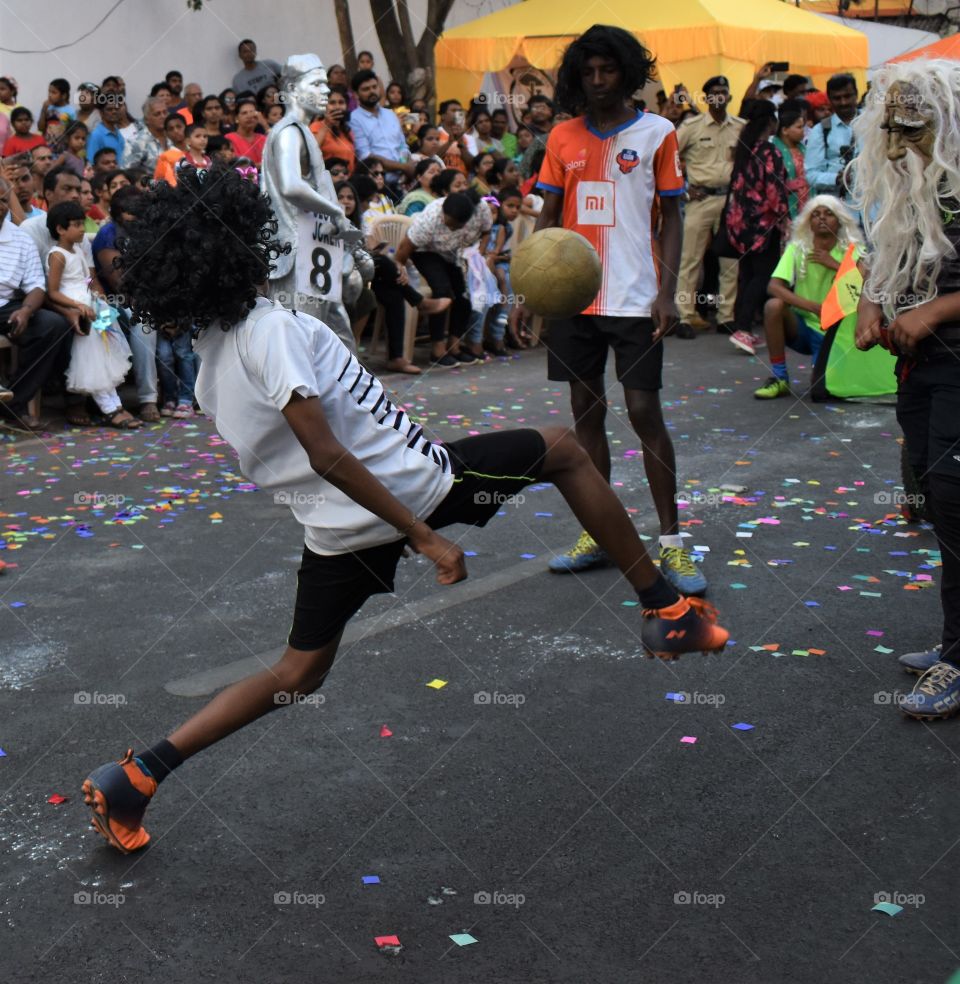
(16,144)
(333,146)
(252,149)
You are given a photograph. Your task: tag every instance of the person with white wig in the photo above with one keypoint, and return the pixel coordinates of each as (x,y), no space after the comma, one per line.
(906,182)
(799,285)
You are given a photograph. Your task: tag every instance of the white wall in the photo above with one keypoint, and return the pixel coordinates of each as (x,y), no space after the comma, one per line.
(142,39)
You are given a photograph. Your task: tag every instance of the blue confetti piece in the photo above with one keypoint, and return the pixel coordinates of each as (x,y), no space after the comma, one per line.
(18,604)
(742,726)
(527,556)
(548,515)
(812,604)
(371,879)
(469,553)
(679,698)
(3,754)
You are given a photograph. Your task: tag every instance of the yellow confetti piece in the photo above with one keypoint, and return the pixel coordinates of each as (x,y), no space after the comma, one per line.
(437,684)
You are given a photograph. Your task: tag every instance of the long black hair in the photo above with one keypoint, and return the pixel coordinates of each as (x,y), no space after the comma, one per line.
(760,114)
(196,253)
(636,64)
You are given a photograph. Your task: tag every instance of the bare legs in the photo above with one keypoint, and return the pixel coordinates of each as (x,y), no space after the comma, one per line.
(780,326)
(588,493)
(298,672)
(589,404)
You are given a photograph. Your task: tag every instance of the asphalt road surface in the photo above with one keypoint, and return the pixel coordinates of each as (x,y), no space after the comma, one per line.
(547,800)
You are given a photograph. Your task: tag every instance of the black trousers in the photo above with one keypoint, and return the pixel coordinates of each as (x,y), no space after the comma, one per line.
(928,409)
(394,299)
(446,280)
(752,279)
(44,350)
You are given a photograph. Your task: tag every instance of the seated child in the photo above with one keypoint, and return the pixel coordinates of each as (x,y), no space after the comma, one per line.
(100,357)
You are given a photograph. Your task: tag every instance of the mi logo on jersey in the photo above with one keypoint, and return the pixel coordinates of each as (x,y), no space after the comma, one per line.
(627,160)
(595,201)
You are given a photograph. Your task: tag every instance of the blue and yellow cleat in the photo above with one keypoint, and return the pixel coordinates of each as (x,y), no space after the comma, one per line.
(936,694)
(677,566)
(584,555)
(919,663)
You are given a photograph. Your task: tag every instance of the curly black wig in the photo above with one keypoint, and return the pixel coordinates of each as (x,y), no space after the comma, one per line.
(196,252)
(635,61)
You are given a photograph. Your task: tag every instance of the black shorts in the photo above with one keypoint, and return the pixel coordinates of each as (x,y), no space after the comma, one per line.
(577,350)
(488,470)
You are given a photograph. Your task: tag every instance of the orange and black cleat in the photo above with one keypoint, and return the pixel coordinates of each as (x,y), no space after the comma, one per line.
(119,794)
(687,626)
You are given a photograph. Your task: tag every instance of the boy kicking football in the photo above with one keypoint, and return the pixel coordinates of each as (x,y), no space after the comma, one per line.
(307,419)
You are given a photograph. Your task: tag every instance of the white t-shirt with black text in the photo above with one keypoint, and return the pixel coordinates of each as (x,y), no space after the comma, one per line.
(248,375)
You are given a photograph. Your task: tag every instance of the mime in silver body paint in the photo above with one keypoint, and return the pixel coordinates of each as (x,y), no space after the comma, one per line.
(296,181)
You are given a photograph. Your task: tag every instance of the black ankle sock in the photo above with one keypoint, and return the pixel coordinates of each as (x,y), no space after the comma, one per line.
(161,760)
(660,594)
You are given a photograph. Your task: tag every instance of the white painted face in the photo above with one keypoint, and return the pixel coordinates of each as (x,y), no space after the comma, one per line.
(311,91)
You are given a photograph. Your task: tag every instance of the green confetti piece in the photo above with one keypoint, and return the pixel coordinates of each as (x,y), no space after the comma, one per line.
(884,650)
(871,594)
(800,652)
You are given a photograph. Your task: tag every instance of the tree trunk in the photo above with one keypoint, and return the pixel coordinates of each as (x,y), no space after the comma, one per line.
(345,29)
(410,61)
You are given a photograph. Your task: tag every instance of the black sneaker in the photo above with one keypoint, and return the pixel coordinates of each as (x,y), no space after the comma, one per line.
(726,328)
(466,358)
(445,362)
(685,331)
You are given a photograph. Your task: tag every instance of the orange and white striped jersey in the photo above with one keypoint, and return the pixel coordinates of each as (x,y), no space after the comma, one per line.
(610,182)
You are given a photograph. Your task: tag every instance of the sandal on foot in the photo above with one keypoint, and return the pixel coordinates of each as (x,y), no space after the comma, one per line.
(122,420)
(149,413)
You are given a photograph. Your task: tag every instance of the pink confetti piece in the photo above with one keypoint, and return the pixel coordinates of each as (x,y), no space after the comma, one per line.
(385,732)
(688,740)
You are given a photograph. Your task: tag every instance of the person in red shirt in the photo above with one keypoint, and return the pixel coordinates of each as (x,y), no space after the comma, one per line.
(22,140)
(245,140)
(333,132)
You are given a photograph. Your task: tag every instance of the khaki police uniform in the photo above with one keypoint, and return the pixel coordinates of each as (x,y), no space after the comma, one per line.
(706,150)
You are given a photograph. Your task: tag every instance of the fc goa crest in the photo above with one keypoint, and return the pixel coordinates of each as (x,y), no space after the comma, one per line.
(627,160)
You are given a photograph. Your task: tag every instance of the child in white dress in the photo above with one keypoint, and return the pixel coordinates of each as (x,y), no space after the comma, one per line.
(100,357)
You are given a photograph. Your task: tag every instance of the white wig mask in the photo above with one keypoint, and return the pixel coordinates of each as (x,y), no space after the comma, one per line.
(904,203)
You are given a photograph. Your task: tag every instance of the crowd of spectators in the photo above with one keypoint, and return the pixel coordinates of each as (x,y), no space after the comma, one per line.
(465,177)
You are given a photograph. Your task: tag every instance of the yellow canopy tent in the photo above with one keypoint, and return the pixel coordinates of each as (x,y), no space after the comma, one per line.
(691,39)
(860,8)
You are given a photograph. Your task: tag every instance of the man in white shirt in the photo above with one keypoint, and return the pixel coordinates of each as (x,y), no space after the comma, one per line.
(314,427)
(42,337)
